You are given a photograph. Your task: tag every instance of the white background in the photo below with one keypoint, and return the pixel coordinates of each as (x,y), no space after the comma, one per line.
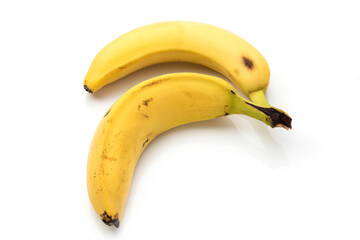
(229,178)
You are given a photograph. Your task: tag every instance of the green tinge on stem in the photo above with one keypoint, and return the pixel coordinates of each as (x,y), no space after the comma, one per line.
(258,97)
(269,115)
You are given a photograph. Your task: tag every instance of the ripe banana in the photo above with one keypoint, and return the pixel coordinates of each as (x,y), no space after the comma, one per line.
(147,110)
(181,41)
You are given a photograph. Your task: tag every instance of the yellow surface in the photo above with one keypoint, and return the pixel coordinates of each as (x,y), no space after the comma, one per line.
(180,41)
(141,114)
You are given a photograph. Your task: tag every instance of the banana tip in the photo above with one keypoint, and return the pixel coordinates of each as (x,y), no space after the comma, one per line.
(109,220)
(283,126)
(282,120)
(87,89)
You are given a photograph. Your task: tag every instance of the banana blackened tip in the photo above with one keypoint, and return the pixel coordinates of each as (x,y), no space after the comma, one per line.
(277,117)
(284,121)
(109,220)
(87,89)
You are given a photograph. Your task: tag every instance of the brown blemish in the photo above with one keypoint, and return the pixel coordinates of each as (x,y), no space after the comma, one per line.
(225,110)
(146,101)
(248,63)
(107,112)
(153,83)
(146,115)
(229,75)
(102,170)
(109,220)
(232,92)
(145,142)
(236,71)
(105,157)
(123,67)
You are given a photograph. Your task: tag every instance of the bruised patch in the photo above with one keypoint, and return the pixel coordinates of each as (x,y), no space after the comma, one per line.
(232,92)
(248,63)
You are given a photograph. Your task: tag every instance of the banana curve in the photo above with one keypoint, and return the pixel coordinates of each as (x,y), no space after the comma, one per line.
(161,42)
(145,111)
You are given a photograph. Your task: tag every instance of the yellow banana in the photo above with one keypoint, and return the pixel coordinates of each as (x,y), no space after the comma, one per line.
(181,41)
(147,110)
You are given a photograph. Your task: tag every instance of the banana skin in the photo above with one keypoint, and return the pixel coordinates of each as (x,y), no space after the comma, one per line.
(182,41)
(144,112)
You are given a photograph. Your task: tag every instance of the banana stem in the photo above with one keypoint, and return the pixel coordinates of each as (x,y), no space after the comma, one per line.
(269,115)
(258,97)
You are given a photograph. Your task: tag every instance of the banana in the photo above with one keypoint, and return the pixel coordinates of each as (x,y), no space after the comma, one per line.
(181,41)
(147,110)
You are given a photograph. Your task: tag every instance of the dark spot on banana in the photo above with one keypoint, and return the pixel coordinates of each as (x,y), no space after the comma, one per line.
(106,157)
(107,112)
(146,101)
(248,63)
(87,89)
(109,220)
(145,142)
(146,115)
(153,83)
(123,67)
(225,110)
(232,92)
